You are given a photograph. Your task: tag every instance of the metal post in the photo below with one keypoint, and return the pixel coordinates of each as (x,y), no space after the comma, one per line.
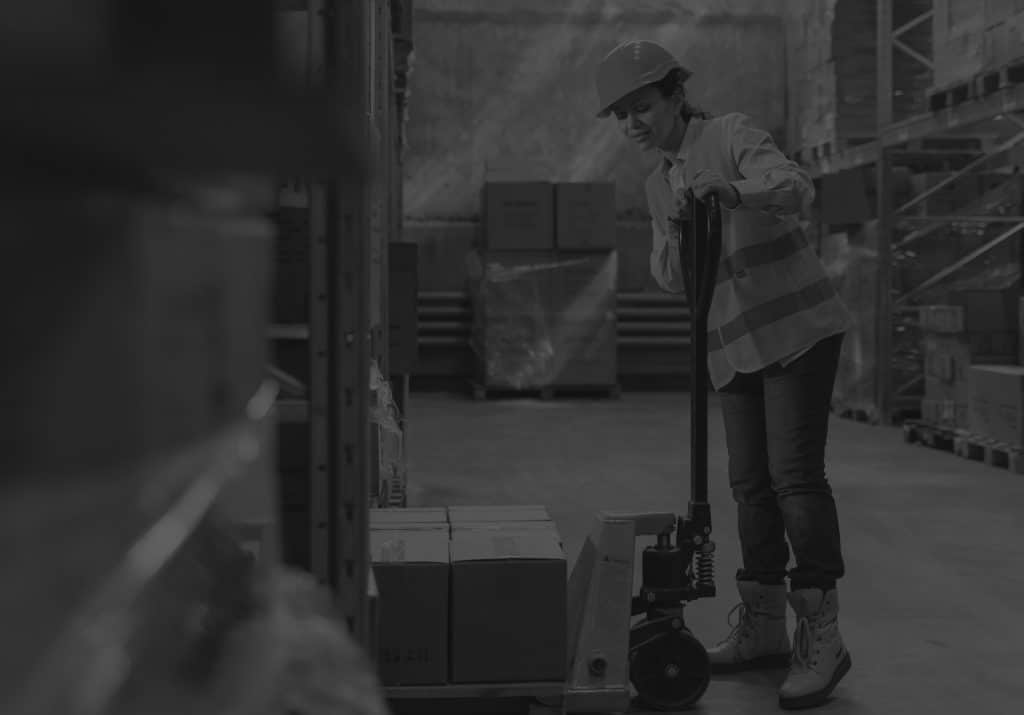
(348,269)
(883,322)
(385,102)
(320,473)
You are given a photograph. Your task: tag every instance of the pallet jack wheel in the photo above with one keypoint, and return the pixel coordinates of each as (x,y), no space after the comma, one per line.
(670,670)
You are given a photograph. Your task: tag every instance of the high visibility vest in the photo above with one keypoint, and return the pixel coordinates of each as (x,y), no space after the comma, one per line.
(773,299)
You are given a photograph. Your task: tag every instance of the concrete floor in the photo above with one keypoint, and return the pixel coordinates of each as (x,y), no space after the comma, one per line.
(932,608)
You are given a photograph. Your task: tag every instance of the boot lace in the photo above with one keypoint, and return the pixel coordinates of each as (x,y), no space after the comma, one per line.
(802,640)
(741,629)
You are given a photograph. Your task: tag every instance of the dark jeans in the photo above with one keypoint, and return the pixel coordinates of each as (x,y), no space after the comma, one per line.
(776,427)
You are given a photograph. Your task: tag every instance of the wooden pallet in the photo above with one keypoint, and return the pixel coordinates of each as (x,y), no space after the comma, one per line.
(929,435)
(819,152)
(498,698)
(993,453)
(992,81)
(548,392)
(856,415)
(951,96)
(980,85)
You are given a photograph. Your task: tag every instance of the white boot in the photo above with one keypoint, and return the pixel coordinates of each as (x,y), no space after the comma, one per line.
(820,659)
(759,639)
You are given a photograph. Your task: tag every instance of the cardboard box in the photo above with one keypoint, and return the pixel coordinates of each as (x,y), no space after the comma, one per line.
(387,519)
(519,216)
(947,361)
(412,570)
(942,318)
(996,402)
(508,606)
(403,307)
(944,413)
(475,514)
(585,215)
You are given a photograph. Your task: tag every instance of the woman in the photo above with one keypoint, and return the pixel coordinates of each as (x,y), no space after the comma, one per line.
(775,330)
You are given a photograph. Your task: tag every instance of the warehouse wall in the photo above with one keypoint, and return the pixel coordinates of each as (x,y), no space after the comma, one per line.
(515,79)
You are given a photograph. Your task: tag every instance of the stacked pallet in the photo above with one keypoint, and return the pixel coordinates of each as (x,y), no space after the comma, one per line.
(978,331)
(543,287)
(832,72)
(972,37)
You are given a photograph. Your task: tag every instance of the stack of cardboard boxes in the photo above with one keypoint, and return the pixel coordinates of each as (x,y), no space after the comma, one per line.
(965,343)
(832,69)
(544,293)
(469,595)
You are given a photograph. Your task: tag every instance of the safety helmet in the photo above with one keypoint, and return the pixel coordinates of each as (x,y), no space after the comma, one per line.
(630,66)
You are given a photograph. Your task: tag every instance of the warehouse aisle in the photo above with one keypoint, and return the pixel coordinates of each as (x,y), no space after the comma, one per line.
(933,604)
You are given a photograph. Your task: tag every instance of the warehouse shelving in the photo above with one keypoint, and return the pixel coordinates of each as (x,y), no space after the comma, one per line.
(983,110)
(354,49)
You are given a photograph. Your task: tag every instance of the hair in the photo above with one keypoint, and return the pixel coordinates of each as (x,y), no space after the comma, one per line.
(674,84)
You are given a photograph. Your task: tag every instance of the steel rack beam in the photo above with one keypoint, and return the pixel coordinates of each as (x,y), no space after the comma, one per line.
(951,269)
(1006,102)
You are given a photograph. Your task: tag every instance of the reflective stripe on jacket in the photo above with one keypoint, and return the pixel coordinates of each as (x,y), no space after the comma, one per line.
(773,299)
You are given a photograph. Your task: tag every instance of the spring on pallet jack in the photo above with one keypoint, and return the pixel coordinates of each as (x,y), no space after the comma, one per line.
(705,568)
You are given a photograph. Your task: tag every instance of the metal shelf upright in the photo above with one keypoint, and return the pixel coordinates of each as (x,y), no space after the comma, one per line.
(993,115)
(350,51)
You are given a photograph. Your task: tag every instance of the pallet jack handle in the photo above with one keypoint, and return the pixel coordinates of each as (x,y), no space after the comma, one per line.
(700,254)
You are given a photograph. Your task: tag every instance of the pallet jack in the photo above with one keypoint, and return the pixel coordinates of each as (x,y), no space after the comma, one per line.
(609,649)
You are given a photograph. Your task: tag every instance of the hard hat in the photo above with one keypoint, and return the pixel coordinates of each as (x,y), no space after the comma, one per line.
(629,67)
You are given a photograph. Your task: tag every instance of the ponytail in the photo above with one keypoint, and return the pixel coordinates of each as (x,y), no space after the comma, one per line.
(673,85)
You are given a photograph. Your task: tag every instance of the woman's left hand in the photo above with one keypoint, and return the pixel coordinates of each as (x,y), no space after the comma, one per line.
(706,182)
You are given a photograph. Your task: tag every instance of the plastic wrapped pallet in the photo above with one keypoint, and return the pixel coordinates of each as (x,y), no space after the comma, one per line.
(543,319)
(386,422)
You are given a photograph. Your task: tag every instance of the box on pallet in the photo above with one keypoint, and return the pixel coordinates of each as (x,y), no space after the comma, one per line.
(541,317)
(412,569)
(947,360)
(944,413)
(519,216)
(585,215)
(508,606)
(942,318)
(996,403)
